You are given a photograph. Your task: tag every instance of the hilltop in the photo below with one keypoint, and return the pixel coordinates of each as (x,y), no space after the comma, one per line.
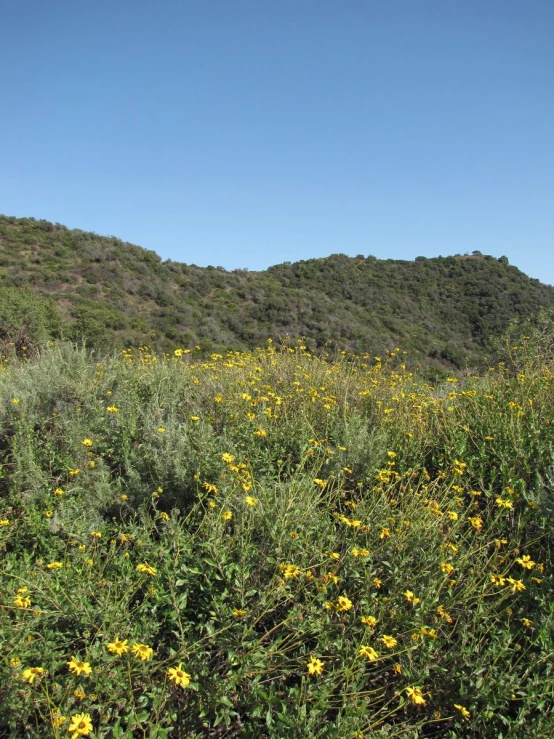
(58,282)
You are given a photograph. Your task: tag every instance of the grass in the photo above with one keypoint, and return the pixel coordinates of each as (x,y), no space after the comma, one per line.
(274,544)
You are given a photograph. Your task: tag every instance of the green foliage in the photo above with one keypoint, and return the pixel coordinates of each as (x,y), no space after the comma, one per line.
(445,311)
(248,515)
(26,319)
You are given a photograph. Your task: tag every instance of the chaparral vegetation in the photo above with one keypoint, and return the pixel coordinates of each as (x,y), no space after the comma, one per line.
(275,543)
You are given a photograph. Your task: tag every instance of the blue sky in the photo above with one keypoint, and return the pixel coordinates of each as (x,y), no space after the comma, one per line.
(244,133)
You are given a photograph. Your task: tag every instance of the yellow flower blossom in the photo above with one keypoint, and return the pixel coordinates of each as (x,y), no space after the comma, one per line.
(516,584)
(465,713)
(343,603)
(526,562)
(370,621)
(289,571)
(81,725)
(178,676)
(368,653)
(22,601)
(118,647)
(78,667)
(416,696)
(142,651)
(146,569)
(315,666)
(31,673)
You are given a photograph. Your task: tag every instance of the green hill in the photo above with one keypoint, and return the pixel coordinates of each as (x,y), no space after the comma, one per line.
(59,282)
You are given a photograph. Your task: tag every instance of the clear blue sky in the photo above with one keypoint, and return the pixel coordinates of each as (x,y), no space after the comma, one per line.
(244,133)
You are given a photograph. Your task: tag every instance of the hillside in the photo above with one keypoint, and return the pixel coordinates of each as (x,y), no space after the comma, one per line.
(78,285)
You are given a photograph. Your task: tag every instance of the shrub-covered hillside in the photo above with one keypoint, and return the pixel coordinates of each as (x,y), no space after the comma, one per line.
(83,286)
(276,544)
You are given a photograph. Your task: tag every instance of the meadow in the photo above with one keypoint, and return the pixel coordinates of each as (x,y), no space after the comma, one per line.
(275,544)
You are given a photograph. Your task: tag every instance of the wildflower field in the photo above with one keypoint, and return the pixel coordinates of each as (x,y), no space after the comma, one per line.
(275,544)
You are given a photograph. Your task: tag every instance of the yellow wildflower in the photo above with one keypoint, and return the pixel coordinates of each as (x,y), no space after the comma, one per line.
(178,676)
(369,653)
(465,713)
(516,584)
(31,673)
(54,566)
(343,603)
(146,568)
(289,571)
(526,562)
(443,614)
(118,647)
(81,725)
(142,651)
(389,641)
(21,601)
(370,621)
(315,666)
(78,667)
(416,696)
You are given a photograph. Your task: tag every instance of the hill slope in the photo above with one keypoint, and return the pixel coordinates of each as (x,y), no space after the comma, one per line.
(55,281)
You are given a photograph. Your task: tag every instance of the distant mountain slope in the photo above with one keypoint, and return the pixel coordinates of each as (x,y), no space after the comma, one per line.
(55,281)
